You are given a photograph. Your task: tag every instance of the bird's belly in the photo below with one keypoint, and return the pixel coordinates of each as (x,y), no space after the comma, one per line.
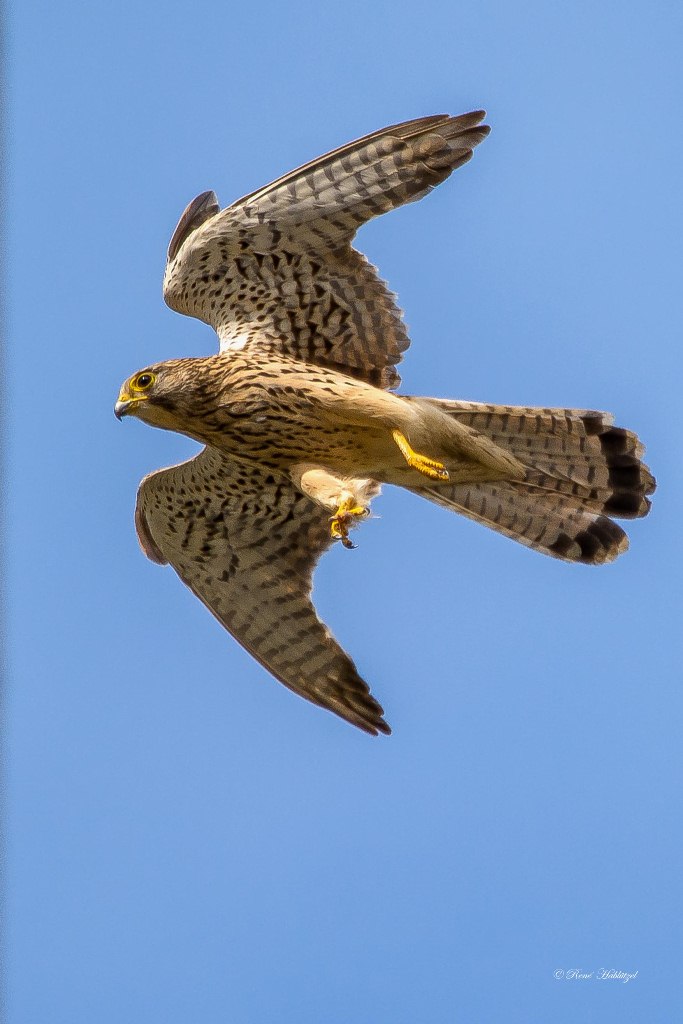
(281,442)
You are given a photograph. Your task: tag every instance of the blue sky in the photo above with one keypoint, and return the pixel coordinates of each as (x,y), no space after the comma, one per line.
(189,841)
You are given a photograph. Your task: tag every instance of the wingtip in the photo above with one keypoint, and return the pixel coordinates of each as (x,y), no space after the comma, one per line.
(372,726)
(202,207)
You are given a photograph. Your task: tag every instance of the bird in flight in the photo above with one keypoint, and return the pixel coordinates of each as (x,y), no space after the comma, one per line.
(301,426)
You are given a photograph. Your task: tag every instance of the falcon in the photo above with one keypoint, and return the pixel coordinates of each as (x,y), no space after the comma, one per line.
(301,426)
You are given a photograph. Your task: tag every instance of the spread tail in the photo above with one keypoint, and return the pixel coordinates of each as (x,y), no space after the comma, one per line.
(580,471)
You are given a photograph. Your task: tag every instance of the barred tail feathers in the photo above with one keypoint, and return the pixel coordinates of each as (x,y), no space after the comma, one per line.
(580,471)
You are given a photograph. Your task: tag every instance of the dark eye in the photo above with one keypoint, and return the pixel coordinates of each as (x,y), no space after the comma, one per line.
(143,380)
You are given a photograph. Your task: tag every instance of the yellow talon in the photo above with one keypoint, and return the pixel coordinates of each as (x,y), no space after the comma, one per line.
(344,518)
(430,467)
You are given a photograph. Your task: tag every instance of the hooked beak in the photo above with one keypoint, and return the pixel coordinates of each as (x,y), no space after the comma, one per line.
(121,408)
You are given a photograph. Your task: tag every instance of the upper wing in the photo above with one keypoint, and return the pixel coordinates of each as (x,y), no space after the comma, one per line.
(277,269)
(246,542)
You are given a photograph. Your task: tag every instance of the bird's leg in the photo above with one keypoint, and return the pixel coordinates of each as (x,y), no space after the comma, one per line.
(434,470)
(344,517)
(349,498)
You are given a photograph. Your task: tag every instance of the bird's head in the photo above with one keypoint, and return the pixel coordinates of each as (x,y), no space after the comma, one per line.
(164,395)
(146,395)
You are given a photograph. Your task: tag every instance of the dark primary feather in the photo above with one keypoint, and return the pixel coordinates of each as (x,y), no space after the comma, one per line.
(336,193)
(193,216)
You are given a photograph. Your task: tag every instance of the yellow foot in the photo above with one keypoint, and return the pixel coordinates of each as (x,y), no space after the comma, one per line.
(344,518)
(434,470)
